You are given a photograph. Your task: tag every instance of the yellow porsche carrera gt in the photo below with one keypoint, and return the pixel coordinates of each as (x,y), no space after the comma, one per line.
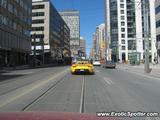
(82,67)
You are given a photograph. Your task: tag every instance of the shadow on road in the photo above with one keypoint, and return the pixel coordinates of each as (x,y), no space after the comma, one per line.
(83,74)
(8,77)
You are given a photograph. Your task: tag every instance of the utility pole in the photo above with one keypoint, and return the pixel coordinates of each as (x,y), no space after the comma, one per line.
(42,53)
(34,51)
(145,5)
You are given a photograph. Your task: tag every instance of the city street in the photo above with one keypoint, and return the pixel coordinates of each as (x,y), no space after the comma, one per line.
(56,89)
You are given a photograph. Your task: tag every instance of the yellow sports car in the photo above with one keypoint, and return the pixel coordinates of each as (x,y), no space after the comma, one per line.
(82,67)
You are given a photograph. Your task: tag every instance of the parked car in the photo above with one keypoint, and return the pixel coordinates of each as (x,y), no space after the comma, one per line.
(109,64)
(96,63)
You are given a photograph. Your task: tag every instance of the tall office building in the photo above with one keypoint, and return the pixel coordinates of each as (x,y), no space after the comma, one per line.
(125,29)
(15,26)
(99,42)
(93,47)
(72,18)
(83,46)
(157,7)
(50,33)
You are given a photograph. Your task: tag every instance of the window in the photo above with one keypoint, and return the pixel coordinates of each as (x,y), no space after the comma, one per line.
(122,23)
(122,11)
(27,33)
(1,17)
(158,37)
(123,35)
(37,21)
(15,11)
(122,29)
(17,1)
(3,20)
(38,14)
(158,24)
(10,8)
(37,28)
(37,6)
(14,26)
(21,3)
(122,5)
(157,9)
(123,42)
(122,0)
(122,18)
(123,47)
(3,3)
(131,45)
(37,36)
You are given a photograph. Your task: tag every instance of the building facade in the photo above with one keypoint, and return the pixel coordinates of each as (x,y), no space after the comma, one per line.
(15,26)
(72,18)
(100,43)
(157,7)
(125,29)
(50,33)
(83,46)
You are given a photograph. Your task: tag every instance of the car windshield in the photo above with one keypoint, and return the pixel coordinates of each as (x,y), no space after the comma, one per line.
(110,62)
(96,60)
(98,57)
(82,62)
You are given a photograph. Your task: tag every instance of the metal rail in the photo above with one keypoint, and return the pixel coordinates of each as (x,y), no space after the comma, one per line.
(82,101)
(28,106)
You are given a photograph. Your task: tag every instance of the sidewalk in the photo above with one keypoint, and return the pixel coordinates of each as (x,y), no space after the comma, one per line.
(140,69)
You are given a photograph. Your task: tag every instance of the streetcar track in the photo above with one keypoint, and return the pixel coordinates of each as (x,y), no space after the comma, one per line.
(82,101)
(28,106)
(32,82)
(18,87)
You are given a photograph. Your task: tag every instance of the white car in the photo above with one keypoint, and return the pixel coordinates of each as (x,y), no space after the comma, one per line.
(96,63)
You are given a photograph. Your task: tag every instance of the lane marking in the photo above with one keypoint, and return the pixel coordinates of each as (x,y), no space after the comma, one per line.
(7,101)
(109,81)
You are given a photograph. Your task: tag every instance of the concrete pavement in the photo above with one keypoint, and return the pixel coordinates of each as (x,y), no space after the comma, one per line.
(108,90)
(140,69)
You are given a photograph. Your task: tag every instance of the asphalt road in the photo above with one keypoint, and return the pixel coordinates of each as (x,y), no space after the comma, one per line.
(56,89)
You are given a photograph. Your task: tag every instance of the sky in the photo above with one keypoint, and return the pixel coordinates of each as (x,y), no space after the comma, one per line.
(91,15)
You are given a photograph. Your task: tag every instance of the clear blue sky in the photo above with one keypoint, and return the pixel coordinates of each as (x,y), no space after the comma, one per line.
(91,15)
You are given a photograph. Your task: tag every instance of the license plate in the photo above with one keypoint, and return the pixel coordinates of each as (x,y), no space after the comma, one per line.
(81,70)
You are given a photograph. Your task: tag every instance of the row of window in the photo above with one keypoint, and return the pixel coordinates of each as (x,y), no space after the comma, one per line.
(13,9)
(38,6)
(12,41)
(37,28)
(37,36)
(37,21)
(13,25)
(38,14)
